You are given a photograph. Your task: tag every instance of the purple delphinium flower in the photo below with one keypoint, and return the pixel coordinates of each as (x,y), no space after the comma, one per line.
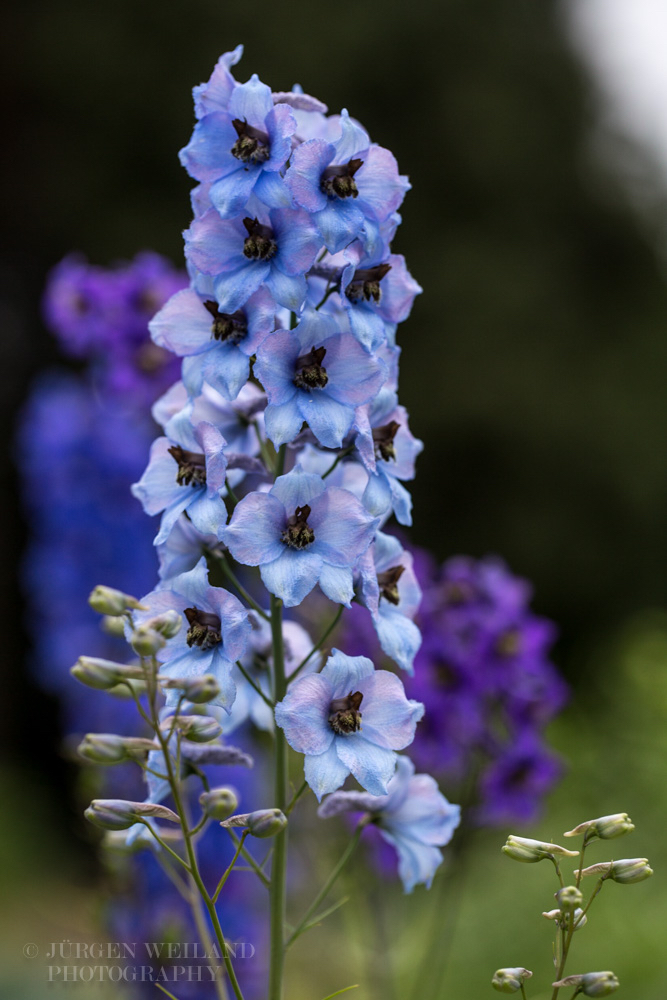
(217,633)
(414,817)
(241,255)
(392,595)
(214,95)
(217,346)
(318,374)
(344,183)
(301,533)
(186,473)
(514,783)
(241,150)
(348,718)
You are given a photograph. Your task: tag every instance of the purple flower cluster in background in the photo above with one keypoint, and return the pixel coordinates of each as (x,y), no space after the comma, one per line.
(484,674)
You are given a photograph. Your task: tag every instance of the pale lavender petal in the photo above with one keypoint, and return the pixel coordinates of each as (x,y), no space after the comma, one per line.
(325,772)
(371,765)
(345,673)
(292,575)
(388,717)
(253,535)
(303,715)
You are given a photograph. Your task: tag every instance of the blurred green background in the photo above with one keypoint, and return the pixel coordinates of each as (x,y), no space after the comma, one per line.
(533,367)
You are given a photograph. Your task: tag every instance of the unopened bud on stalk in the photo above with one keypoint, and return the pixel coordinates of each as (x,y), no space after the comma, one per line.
(119,814)
(108,748)
(113,626)
(103,674)
(145,641)
(108,601)
(197,728)
(509,980)
(219,803)
(626,871)
(591,984)
(167,624)
(529,851)
(198,690)
(569,898)
(266,822)
(563,919)
(605,827)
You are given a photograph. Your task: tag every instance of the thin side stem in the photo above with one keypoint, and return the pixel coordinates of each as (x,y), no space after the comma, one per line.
(255,865)
(295,798)
(253,685)
(236,583)
(344,858)
(279,865)
(230,867)
(318,645)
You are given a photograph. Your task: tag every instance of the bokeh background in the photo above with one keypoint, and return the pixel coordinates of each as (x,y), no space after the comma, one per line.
(533,367)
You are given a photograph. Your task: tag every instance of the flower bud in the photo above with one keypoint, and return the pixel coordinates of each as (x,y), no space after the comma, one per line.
(145,641)
(529,851)
(103,674)
(630,870)
(197,728)
(198,690)
(592,984)
(107,748)
(599,984)
(605,827)
(509,980)
(569,898)
(563,919)
(111,814)
(113,626)
(266,822)
(108,601)
(167,624)
(219,803)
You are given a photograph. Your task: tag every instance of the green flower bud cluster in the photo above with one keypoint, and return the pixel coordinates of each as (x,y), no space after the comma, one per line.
(571,912)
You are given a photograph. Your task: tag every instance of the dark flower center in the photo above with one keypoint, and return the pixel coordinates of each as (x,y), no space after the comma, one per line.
(344,714)
(338,181)
(259,243)
(458,592)
(310,374)
(191,466)
(298,534)
(227,326)
(509,643)
(204,628)
(383,439)
(365,284)
(252,145)
(388,584)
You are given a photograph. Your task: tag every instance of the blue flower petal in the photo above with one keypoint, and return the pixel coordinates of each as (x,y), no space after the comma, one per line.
(292,576)
(325,772)
(371,765)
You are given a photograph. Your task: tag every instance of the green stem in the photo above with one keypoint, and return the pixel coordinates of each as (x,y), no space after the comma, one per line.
(523,992)
(338,458)
(318,645)
(587,906)
(230,867)
(236,583)
(194,868)
(279,865)
(256,867)
(252,684)
(344,858)
(295,798)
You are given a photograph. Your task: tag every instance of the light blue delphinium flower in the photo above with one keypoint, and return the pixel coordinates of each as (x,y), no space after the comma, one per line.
(392,595)
(377,292)
(217,346)
(388,451)
(186,472)
(217,634)
(301,533)
(240,150)
(258,664)
(348,718)
(241,255)
(414,817)
(345,183)
(319,374)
